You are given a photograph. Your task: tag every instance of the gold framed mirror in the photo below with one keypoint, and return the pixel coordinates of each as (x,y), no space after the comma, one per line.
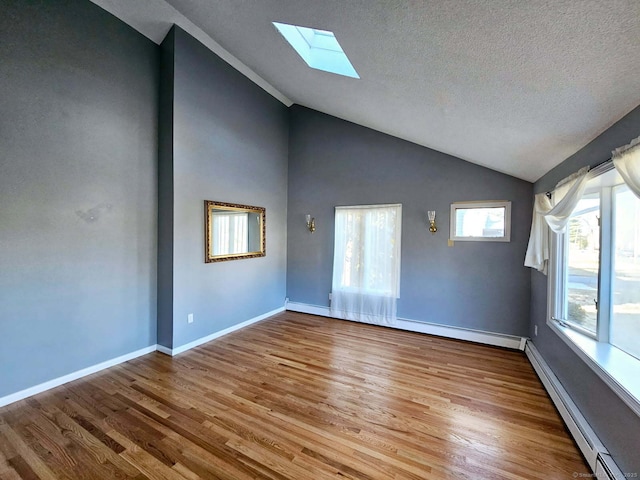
(233,231)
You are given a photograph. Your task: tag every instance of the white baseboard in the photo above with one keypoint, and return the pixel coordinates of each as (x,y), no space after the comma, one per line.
(22,394)
(478,336)
(187,346)
(587,440)
(27,392)
(306,308)
(163,349)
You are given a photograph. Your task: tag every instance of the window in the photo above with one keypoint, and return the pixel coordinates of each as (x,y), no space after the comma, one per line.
(481,221)
(594,267)
(318,48)
(597,269)
(582,254)
(624,322)
(366,265)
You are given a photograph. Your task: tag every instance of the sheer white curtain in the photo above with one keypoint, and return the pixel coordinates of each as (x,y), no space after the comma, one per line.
(366,263)
(564,199)
(553,213)
(627,162)
(538,250)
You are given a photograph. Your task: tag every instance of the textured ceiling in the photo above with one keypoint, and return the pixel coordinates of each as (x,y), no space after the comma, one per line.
(514,85)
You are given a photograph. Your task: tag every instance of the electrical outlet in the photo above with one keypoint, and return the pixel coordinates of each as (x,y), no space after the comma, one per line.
(190,318)
(329,296)
(450,243)
(535,330)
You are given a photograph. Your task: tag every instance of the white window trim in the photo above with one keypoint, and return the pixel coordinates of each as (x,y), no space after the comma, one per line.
(619,370)
(481,204)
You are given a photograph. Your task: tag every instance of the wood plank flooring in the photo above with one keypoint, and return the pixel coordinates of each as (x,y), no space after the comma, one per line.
(297,397)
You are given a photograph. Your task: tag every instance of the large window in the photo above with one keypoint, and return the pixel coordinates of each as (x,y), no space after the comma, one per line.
(582,254)
(624,322)
(366,265)
(598,265)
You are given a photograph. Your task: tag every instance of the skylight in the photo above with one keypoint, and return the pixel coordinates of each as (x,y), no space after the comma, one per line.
(319,48)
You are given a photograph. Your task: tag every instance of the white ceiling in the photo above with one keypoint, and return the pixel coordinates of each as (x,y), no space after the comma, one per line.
(514,85)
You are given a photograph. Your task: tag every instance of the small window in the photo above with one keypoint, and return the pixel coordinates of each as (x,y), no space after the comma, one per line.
(318,48)
(481,221)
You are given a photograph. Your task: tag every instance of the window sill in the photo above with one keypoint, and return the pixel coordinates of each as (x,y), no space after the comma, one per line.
(619,370)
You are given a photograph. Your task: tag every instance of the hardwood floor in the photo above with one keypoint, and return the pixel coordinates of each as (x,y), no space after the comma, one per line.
(297,397)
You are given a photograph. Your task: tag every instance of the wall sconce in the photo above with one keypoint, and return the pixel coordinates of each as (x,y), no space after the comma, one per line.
(311,223)
(431,215)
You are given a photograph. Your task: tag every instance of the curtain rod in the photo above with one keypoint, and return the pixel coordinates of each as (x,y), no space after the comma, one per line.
(604,166)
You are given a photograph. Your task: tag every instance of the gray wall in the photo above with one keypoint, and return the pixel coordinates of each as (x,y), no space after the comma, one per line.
(77,189)
(165,193)
(616,425)
(478,285)
(230,144)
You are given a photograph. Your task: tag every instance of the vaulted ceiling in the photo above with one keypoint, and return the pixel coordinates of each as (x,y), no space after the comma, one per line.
(516,86)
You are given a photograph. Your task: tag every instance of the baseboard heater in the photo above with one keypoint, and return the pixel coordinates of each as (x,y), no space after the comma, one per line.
(593,450)
(607,468)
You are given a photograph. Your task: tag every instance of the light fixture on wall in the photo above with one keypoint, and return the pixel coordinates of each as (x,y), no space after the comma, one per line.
(431,215)
(311,223)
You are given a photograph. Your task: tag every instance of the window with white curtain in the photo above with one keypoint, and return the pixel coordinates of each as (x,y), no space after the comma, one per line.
(594,284)
(366,264)
(597,265)
(586,236)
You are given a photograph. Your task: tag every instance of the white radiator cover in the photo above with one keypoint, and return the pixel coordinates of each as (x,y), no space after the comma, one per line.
(590,445)
(606,468)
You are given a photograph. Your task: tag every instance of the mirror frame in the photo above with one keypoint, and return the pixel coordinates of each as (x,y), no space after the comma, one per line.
(209,206)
